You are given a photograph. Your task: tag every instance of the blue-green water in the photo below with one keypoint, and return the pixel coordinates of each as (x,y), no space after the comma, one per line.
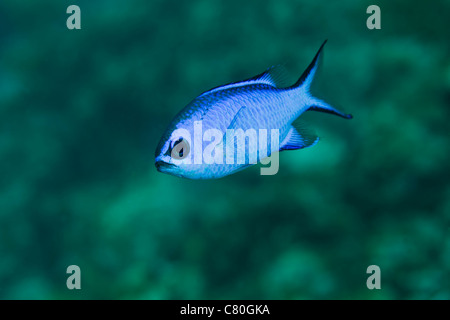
(81,112)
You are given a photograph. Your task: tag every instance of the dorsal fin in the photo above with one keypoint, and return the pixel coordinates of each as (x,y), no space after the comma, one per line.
(275,76)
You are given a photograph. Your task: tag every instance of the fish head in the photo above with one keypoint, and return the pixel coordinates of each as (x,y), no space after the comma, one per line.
(175,151)
(194,144)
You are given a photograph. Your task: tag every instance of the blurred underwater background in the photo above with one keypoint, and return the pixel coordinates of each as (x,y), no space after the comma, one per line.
(81,113)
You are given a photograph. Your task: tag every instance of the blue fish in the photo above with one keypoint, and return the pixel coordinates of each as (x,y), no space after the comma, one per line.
(231,127)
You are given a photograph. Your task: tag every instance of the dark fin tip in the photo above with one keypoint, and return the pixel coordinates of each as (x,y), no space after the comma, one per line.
(330,111)
(310,67)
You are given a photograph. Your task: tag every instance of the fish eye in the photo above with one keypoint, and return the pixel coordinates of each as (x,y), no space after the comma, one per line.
(180,149)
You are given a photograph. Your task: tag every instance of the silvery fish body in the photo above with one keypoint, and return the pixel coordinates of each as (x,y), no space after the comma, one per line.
(202,141)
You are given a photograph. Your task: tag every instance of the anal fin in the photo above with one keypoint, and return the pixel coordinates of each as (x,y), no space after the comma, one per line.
(299,137)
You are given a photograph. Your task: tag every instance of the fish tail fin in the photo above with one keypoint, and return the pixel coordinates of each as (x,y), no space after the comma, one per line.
(321,106)
(305,81)
(308,75)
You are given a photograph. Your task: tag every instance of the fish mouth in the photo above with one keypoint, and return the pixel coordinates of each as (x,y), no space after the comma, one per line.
(161,165)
